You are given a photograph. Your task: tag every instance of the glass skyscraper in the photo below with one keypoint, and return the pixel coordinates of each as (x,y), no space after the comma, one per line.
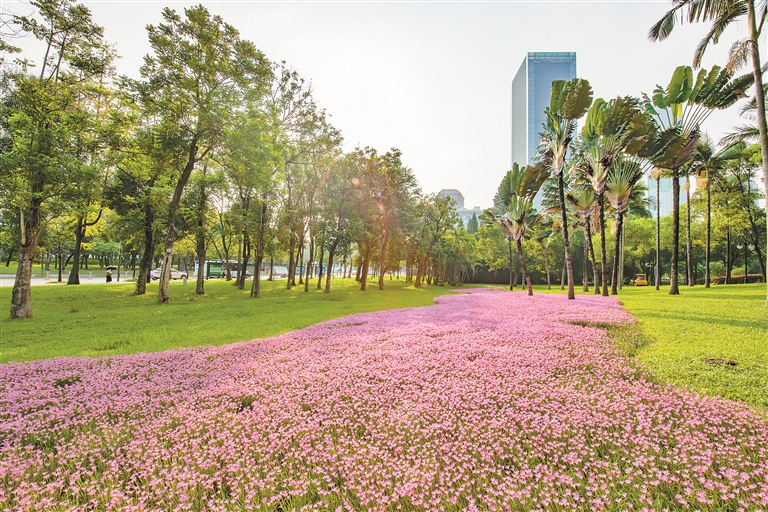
(531,91)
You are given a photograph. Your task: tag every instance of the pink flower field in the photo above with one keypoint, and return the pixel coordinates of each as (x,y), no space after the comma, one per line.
(486,401)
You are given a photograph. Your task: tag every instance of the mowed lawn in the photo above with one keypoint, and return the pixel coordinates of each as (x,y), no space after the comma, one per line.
(694,330)
(99,320)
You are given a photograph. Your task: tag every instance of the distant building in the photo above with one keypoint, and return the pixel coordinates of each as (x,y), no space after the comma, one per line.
(458,198)
(531,92)
(665,193)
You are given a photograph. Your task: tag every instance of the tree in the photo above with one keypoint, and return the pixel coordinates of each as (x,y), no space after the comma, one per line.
(677,112)
(707,162)
(569,101)
(625,173)
(201,72)
(513,204)
(472,225)
(611,128)
(584,202)
(722,13)
(42,118)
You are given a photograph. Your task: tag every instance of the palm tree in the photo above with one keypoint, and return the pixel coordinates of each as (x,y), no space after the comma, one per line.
(611,128)
(583,200)
(625,173)
(513,204)
(746,132)
(707,162)
(677,112)
(569,101)
(543,228)
(722,13)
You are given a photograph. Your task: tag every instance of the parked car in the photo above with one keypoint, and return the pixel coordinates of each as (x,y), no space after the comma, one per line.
(175,274)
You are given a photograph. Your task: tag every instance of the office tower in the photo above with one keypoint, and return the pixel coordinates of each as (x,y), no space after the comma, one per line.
(531,91)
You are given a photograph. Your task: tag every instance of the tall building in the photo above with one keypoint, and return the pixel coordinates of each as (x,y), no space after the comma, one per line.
(531,92)
(458,198)
(665,194)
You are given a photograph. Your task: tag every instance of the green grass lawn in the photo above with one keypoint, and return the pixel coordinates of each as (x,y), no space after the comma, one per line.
(679,333)
(728,322)
(97,320)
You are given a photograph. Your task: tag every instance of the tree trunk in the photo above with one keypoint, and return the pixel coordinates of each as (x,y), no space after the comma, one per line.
(566,239)
(383,264)
(60,263)
(707,275)
(673,288)
(762,124)
(688,244)
(546,267)
(657,277)
(74,274)
(310,262)
(585,264)
(256,284)
(616,255)
(147,255)
(511,269)
(170,234)
(603,256)
(523,267)
(11,252)
(364,271)
(331,252)
(200,248)
(21,297)
(592,255)
(728,257)
(291,269)
(320,269)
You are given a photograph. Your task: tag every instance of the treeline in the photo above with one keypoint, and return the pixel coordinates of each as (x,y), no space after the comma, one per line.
(213,150)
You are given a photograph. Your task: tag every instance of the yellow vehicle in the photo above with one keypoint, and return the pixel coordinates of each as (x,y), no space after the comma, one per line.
(640,280)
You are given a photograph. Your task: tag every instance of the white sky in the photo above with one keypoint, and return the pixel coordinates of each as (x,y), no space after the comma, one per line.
(434,78)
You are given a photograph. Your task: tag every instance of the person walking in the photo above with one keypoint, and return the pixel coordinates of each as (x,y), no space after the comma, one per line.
(109,275)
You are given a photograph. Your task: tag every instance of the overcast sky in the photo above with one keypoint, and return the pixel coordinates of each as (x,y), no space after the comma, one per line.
(434,78)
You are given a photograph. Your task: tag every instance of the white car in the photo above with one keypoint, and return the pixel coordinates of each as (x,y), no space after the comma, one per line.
(175,274)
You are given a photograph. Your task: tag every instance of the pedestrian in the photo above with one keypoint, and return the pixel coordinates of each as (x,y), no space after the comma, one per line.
(109,275)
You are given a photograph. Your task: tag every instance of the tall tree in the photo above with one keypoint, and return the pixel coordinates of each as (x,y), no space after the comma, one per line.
(200,72)
(677,112)
(625,173)
(569,102)
(611,128)
(513,205)
(43,118)
(723,13)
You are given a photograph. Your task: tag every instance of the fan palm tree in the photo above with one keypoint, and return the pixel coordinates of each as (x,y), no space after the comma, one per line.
(569,101)
(513,204)
(625,173)
(583,200)
(722,13)
(543,228)
(677,112)
(611,128)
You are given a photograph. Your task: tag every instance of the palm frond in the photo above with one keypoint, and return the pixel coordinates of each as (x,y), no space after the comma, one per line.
(738,54)
(723,14)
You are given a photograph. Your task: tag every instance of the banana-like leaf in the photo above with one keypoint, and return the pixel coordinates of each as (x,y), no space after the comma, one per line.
(702,75)
(578,98)
(681,85)
(594,117)
(557,97)
(660,98)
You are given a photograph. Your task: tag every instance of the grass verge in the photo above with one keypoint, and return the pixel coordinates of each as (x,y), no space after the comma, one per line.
(97,320)
(711,340)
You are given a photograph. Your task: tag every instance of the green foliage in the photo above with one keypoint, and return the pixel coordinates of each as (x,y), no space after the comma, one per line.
(723,322)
